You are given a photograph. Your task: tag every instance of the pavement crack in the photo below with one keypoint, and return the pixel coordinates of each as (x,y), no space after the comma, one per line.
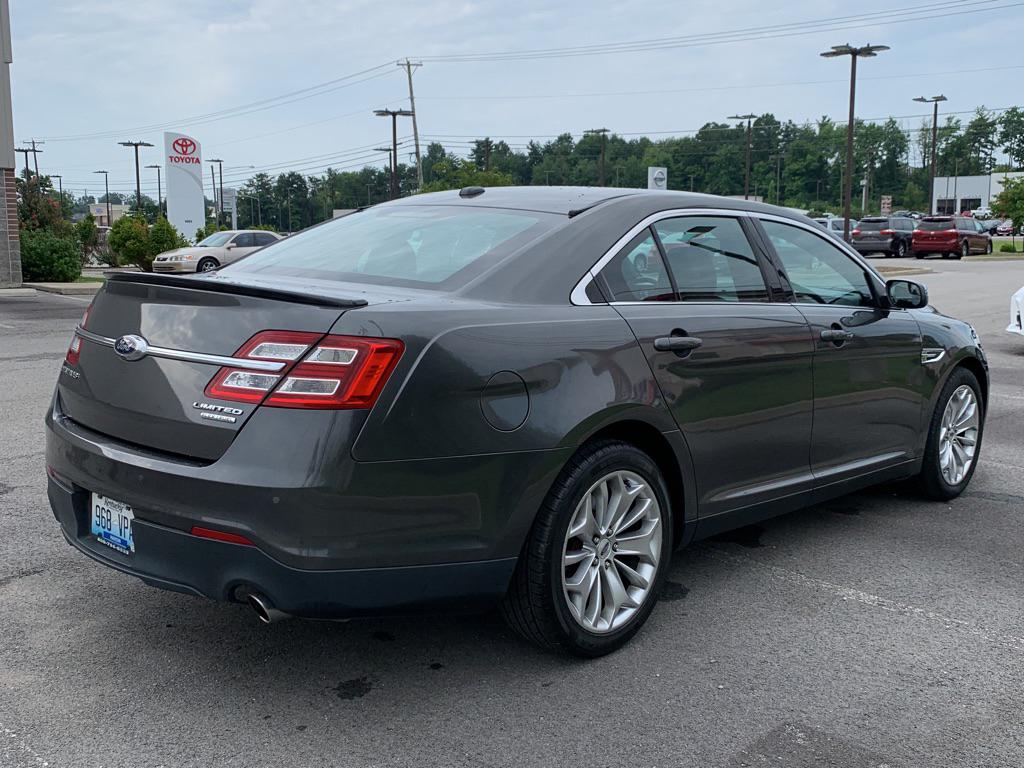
(20,574)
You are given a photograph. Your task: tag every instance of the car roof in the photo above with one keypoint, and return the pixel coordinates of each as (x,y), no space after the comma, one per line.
(573,200)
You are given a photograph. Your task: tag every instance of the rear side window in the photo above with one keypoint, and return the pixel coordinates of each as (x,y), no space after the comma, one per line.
(264,238)
(440,247)
(637,273)
(711,259)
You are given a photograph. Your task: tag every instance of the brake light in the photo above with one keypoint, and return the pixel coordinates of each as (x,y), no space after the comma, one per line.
(75,348)
(887,232)
(331,372)
(855,232)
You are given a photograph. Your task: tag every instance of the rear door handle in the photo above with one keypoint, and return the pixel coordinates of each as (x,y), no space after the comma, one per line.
(836,335)
(677,343)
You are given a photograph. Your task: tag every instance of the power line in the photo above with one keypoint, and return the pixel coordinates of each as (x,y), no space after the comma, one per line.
(792,29)
(244,109)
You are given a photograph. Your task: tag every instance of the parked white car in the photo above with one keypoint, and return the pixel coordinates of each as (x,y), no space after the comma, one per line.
(1016,310)
(215,251)
(982,213)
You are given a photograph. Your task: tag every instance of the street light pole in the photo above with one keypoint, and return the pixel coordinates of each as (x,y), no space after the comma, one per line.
(138,178)
(159,191)
(935,137)
(746,176)
(106,184)
(864,51)
(394,114)
(220,196)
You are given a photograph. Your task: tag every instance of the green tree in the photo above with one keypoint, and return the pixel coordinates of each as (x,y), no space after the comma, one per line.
(1011,135)
(129,240)
(1010,203)
(88,235)
(164,237)
(456,174)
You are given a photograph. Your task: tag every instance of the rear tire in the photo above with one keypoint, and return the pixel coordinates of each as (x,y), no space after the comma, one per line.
(549,602)
(965,250)
(901,250)
(952,439)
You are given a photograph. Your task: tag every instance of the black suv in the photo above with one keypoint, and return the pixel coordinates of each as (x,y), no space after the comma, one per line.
(890,235)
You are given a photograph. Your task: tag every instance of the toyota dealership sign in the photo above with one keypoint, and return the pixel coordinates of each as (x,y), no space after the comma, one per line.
(186,208)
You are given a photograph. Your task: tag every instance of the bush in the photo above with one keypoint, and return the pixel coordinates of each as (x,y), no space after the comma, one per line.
(47,257)
(88,235)
(1007,248)
(164,237)
(130,242)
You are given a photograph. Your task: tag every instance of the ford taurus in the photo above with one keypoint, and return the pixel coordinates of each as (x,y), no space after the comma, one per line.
(527,397)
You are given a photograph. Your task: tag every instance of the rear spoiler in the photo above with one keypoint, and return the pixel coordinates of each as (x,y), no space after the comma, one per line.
(218,284)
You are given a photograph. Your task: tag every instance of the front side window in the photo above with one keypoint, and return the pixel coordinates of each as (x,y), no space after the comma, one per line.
(819,272)
(637,273)
(711,259)
(244,240)
(429,246)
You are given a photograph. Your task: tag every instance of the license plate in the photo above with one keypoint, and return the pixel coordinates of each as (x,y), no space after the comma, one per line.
(112,523)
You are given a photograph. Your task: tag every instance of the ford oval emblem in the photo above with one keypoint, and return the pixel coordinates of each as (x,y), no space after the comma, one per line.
(131,347)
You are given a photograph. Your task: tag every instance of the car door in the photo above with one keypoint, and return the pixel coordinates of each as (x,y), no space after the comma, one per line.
(733,367)
(869,381)
(980,244)
(241,245)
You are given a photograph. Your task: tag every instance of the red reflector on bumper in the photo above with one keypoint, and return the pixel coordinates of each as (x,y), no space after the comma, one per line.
(230,538)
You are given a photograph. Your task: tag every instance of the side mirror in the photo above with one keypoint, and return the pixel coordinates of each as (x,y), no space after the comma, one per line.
(229,246)
(906,294)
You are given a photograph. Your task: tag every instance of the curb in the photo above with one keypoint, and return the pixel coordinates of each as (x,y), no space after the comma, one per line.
(16,293)
(67,289)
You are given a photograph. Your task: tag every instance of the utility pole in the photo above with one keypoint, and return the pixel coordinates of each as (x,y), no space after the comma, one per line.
(391,172)
(603,133)
(409,66)
(106,185)
(213,180)
(778,175)
(865,51)
(35,154)
(750,134)
(394,114)
(935,137)
(159,191)
(138,178)
(213,193)
(28,171)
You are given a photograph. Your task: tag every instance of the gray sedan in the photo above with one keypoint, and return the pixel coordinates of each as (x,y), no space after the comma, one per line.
(527,397)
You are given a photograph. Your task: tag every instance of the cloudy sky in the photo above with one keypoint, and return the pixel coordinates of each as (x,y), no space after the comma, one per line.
(88,74)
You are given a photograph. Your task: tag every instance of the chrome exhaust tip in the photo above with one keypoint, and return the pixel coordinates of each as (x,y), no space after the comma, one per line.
(266,612)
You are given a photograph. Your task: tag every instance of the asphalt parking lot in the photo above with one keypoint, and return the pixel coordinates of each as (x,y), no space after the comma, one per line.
(877,630)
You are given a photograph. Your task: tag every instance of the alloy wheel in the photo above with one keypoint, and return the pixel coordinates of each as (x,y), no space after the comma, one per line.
(612,551)
(958,435)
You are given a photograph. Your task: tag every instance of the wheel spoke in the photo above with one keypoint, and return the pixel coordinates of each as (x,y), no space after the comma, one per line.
(582,525)
(594,602)
(636,513)
(615,595)
(633,576)
(642,543)
(579,556)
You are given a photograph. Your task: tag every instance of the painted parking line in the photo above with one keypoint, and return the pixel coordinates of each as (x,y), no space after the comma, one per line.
(11,738)
(777,573)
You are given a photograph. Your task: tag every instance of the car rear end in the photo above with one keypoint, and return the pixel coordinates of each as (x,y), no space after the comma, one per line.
(202,431)
(936,234)
(874,235)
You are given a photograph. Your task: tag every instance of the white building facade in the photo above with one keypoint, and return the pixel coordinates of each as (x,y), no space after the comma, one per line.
(953,194)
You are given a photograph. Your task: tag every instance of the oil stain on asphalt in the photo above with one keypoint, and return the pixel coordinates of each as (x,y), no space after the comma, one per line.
(355,688)
(672,591)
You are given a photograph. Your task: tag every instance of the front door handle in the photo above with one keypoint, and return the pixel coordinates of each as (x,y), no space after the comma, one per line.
(677,343)
(836,335)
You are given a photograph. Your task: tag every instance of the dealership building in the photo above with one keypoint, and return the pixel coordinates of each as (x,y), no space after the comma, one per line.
(953,194)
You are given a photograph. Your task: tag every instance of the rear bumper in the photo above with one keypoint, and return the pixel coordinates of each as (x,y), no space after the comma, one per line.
(177,561)
(878,246)
(935,246)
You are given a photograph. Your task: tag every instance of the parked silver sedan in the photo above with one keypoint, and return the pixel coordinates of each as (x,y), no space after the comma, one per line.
(215,251)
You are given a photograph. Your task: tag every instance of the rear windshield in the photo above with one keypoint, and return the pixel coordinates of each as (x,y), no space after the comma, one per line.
(439,247)
(935,225)
(873,225)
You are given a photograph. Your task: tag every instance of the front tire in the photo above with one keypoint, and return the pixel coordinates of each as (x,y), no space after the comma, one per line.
(954,438)
(207,265)
(594,563)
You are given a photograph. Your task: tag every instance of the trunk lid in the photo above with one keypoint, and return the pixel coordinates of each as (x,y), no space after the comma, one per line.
(158,401)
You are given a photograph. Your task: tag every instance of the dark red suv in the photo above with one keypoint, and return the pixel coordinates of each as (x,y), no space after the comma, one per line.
(950,236)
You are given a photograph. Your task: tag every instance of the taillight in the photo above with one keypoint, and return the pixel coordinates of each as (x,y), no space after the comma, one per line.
(75,348)
(887,232)
(855,232)
(319,372)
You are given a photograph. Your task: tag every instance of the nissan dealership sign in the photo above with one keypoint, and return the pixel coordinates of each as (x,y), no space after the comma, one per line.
(183,159)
